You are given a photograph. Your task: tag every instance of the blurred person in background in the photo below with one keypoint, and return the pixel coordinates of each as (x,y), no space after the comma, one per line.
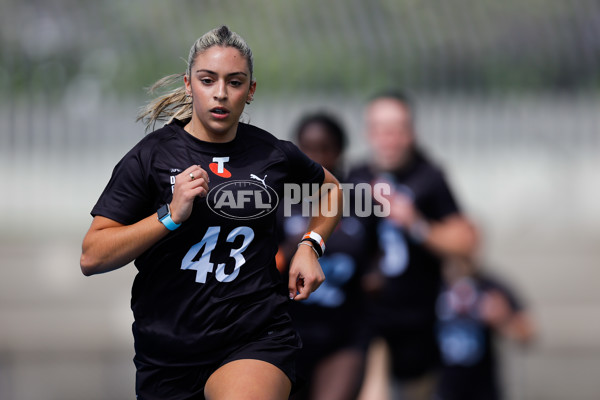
(425,224)
(331,322)
(211,313)
(475,308)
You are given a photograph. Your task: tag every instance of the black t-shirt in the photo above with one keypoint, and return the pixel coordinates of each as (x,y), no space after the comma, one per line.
(466,341)
(411,272)
(212,282)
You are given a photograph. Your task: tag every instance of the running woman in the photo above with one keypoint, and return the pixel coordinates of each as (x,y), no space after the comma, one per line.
(192,204)
(425,224)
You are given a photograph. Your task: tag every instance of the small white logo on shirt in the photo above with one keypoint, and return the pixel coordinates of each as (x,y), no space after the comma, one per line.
(252,176)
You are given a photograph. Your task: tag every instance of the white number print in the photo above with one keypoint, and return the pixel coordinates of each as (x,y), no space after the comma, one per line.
(203,265)
(395,249)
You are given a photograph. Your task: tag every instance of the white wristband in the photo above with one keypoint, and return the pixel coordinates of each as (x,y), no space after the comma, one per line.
(311,235)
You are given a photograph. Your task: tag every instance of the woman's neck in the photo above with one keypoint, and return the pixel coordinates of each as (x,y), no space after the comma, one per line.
(197,130)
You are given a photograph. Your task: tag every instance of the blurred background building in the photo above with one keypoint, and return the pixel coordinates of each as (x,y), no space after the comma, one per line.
(508,100)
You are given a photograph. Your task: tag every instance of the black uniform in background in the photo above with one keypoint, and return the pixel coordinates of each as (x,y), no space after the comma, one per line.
(403,310)
(333,317)
(469,360)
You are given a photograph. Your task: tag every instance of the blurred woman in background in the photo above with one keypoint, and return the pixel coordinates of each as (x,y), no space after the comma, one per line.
(425,224)
(331,322)
(474,309)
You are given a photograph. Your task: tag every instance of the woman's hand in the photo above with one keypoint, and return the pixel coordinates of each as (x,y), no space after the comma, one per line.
(305,275)
(186,190)
(305,271)
(402,209)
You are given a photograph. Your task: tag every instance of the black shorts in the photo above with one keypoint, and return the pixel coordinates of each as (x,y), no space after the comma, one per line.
(187,382)
(320,341)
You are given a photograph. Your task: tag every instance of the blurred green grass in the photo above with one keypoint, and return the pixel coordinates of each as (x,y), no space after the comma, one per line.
(307,46)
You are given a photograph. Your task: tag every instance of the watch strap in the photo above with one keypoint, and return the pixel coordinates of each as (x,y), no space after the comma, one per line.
(164,216)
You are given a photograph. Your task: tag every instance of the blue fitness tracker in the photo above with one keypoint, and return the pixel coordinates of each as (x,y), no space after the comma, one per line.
(164,216)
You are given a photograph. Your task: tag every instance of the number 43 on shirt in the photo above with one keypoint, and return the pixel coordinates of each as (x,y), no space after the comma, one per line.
(203,265)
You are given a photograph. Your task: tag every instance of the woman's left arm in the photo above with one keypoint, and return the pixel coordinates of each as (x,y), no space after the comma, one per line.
(305,274)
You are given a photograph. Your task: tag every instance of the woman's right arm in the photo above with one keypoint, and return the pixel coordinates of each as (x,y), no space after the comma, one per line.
(109,245)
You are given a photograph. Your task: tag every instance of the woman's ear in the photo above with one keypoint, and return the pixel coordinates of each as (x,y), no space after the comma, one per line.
(188,85)
(251,92)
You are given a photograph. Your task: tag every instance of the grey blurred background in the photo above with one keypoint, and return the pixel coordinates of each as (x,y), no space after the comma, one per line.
(508,101)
